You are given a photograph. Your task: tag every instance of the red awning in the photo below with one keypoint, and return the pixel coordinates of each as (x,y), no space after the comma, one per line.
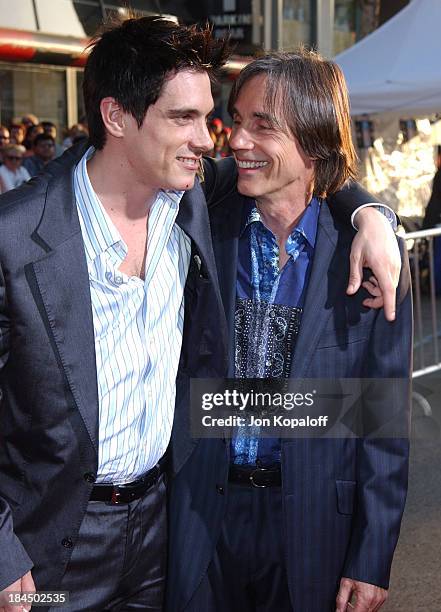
(37,48)
(21,46)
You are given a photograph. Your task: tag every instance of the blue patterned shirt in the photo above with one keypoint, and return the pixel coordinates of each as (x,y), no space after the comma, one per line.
(269,305)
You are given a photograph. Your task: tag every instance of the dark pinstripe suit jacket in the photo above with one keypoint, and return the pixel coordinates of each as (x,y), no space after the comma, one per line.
(343,498)
(49,412)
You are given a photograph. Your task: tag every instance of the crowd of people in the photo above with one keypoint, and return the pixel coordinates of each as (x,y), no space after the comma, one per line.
(26,146)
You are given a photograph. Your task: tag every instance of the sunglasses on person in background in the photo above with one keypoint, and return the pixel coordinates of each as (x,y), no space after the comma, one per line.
(13,158)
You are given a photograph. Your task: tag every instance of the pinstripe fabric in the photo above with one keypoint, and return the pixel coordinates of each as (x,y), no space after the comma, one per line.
(138,329)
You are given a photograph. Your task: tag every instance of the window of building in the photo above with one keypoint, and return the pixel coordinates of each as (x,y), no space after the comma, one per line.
(80,18)
(33,89)
(345,24)
(296,23)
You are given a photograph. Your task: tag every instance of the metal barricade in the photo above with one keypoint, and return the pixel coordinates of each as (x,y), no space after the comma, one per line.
(427,309)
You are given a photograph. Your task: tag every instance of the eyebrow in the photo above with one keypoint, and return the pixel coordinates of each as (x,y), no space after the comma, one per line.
(264,116)
(178,112)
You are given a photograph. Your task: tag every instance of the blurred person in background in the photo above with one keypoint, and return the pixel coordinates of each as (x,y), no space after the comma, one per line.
(215,128)
(17,133)
(44,152)
(432,219)
(50,129)
(432,216)
(29,119)
(12,174)
(219,138)
(220,135)
(225,150)
(32,131)
(4,139)
(76,131)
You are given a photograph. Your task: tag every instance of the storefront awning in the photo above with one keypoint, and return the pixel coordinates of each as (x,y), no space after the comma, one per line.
(22,46)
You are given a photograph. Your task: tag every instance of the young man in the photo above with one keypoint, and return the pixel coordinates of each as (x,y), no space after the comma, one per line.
(292,524)
(96,256)
(44,151)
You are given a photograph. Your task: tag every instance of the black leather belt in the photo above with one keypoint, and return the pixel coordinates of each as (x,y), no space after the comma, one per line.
(255,476)
(126,493)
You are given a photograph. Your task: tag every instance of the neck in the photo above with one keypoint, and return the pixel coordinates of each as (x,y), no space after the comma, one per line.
(112,181)
(281,214)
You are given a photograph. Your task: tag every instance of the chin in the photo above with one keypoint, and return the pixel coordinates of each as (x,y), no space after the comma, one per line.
(184,184)
(246,189)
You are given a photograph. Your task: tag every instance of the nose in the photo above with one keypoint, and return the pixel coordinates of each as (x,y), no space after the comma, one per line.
(240,139)
(201,142)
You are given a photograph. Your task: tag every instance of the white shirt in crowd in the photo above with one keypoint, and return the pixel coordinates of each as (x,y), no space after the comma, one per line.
(10,179)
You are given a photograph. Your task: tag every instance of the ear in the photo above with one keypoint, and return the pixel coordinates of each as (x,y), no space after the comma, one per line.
(113,117)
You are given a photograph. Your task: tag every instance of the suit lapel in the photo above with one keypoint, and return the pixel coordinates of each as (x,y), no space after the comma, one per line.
(193,219)
(325,285)
(225,224)
(59,282)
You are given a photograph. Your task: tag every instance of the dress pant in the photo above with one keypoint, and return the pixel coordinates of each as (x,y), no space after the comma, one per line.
(248,571)
(119,560)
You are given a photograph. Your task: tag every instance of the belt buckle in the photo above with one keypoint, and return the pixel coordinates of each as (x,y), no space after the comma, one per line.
(257,470)
(114,500)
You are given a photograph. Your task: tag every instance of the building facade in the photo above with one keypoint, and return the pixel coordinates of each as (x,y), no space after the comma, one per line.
(41,54)
(42,41)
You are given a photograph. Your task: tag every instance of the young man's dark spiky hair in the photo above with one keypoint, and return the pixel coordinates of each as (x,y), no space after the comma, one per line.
(132,60)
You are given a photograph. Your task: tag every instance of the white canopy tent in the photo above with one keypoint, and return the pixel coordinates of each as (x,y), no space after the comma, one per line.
(397,68)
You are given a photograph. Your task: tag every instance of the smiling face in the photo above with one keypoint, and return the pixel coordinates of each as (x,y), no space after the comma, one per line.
(271,164)
(12,160)
(166,151)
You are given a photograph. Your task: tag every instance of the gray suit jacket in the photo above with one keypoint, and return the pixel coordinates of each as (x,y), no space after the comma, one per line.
(49,412)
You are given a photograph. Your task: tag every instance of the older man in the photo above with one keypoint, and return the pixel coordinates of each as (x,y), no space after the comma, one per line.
(12,174)
(263,524)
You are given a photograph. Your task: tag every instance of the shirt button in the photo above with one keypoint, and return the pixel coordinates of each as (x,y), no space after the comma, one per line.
(67,542)
(219,489)
(118,280)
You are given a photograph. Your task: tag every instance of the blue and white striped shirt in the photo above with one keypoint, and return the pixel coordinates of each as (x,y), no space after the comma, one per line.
(138,328)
